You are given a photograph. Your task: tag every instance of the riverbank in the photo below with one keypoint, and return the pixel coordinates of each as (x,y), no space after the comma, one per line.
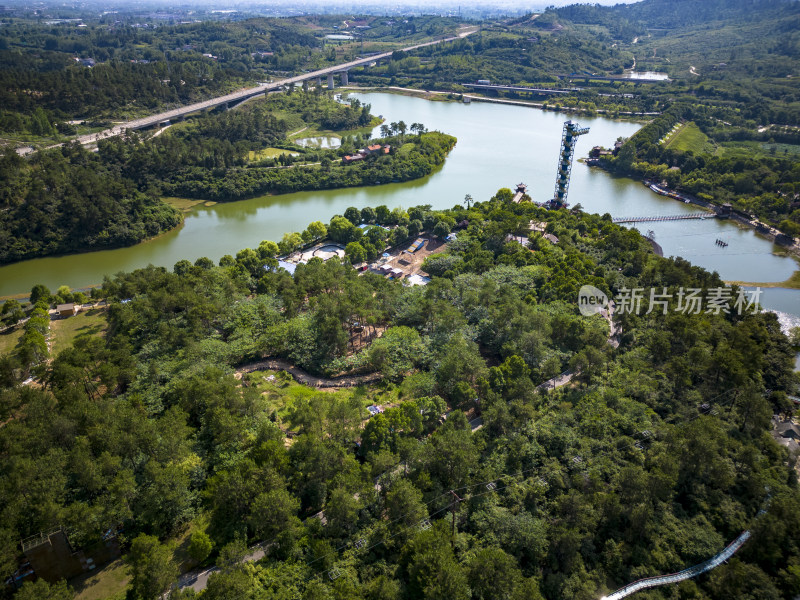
(445,96)
(793,283)
(761,229)
(499,145)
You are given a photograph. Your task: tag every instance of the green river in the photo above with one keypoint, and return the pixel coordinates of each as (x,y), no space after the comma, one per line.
(498,146)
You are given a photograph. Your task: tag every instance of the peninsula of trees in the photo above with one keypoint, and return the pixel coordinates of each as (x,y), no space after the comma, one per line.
(72,200)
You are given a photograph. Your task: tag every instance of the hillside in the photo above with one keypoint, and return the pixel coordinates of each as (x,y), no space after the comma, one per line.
(652,457)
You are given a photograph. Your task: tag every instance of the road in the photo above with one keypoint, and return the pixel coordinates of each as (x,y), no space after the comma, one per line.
(241,95)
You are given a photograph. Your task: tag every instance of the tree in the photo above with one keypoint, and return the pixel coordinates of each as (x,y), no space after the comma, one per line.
(274,512)
(355,253)
(382,215)
(232,554)
(404,503)
(152,567)
(461,362)
(63,295)
(399,234)
(317,230)
(368,214)
(396,352)
(269,249)
(468,200)
(200,546)
(12,312)
(340,230)
(441,229)
(385,131)
(493,574)
(353,215)
(433,572)
(504,195)
(289,243)
(38,590)
(377,237)
(341,511)
(40,292)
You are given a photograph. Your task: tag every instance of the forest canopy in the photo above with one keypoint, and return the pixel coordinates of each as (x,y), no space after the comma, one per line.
(653,458)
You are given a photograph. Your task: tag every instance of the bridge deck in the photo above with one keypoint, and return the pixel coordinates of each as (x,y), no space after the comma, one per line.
(248,93)
(654,218)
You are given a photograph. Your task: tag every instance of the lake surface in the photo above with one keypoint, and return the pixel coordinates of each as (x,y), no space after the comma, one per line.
(648,76)
(498,146)
(320,141)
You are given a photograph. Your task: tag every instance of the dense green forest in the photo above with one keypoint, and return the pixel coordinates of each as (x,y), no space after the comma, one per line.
(136,70)
(69,200)
(653,458)
(412,157)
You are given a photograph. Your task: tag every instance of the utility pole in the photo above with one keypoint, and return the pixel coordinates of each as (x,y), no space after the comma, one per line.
(456,500)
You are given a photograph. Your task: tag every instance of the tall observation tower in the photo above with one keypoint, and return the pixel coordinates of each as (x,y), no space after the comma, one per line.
(568,139)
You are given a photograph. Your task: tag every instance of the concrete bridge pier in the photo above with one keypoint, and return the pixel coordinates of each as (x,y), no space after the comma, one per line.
(345,78)
(319,82)
(330,81)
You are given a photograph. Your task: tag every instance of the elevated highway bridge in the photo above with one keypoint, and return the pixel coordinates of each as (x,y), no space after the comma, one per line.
(245,94)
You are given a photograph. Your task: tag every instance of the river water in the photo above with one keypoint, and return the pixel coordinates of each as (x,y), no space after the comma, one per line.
(498,146)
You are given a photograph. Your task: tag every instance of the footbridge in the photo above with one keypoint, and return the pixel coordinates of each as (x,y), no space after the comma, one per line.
(654,218)
(245,94)
(516,88)
(694,571)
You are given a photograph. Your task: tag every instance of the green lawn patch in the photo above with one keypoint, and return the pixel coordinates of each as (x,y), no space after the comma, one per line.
(254,155)
(65,331)
(282,393)
(753,149)
(406,148)
(182,204)
(689,137)
(9,339)
(107,583)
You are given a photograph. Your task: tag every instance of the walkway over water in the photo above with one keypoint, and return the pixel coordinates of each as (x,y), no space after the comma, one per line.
(523,89)
(651,219)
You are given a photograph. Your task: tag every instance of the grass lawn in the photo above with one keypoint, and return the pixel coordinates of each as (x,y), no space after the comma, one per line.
(268,153)
(689,137)
(182,204)
(752,149)
(406,148)
(282,393)
(9,339)
(108,583)
(65,331)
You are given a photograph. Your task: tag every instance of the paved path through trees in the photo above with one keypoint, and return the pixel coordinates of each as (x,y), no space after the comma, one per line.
(277,364)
